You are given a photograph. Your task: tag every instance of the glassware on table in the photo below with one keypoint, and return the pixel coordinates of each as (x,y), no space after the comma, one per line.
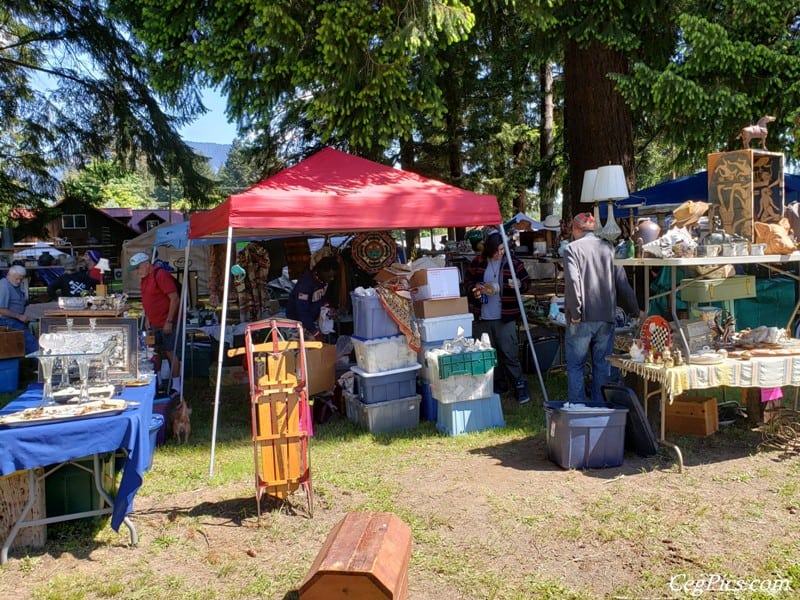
(83,371)
(46,363)
(64,362)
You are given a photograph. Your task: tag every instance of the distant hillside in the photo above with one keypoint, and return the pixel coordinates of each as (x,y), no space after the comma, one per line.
(215,153)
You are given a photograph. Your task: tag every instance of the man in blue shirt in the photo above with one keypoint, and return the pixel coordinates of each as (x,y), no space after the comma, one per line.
(12,306)
(308,295)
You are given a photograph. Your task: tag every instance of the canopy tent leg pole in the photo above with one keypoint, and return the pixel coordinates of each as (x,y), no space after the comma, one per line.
(181,318)
(502,231)
(221,352)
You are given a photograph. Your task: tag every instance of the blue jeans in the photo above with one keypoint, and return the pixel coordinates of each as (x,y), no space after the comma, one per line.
(597,338)
(31,343)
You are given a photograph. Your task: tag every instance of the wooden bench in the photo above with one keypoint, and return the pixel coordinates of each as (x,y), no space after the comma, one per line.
(365,557)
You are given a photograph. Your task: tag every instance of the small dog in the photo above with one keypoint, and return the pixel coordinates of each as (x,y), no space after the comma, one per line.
(180,421)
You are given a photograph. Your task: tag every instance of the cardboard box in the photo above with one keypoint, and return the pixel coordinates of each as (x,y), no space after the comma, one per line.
(445,307)
(427,284)
(12,342)
(692,416)
(389,273)
(321,365)
(746,186)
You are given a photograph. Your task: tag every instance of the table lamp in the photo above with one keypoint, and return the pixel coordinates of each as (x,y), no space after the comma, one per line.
(610,185)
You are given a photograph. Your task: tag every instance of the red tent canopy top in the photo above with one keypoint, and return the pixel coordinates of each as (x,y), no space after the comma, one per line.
(332,192)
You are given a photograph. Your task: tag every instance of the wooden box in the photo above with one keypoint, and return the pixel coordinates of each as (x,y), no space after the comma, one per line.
(12,342)
(692,416)
(13,497)
(717,290)
(746,186)
(365,555)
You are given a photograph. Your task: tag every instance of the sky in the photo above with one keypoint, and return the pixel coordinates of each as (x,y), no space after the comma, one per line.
(213,126)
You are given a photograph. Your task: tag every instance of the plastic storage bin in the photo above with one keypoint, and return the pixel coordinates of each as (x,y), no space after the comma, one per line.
(370,319)
(457,388)
(388,385)
(467,363)
(456,418)
(70,489)
(438,329)
(382,417)
(156,423)
(590,436)
(162,406)
(383,354)
(428,406)
(9,375)
(424,373)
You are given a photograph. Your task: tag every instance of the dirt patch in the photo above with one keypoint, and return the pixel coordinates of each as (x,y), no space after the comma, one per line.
(492,521)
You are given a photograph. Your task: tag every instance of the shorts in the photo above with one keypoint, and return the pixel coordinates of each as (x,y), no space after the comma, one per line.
(166,342)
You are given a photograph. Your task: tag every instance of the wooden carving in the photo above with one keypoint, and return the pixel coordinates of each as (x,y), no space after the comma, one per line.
(756,132)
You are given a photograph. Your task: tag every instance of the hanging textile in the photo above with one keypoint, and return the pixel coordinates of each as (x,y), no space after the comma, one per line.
(251,289)
(395,298)
(373,250)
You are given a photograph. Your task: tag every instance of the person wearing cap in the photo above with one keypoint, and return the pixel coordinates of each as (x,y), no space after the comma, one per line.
(13,301)
(493,301)
(593,288)
(92,257)
(161,305)
(72,282)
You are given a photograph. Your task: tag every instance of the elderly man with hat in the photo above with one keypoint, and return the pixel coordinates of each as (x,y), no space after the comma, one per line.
(593,288)
(161,305)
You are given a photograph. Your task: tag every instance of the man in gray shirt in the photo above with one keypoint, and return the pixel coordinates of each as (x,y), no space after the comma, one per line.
(593,288)
(12,305)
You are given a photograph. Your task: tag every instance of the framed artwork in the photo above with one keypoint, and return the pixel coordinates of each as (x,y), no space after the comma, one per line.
(123,363)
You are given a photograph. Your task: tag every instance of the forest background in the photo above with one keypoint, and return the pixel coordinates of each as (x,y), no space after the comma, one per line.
(513,98)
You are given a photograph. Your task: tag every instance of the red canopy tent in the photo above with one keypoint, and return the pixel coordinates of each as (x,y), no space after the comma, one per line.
(334,192)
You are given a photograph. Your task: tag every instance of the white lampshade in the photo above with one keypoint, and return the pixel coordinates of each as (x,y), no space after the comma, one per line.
(610,184)
(587,190)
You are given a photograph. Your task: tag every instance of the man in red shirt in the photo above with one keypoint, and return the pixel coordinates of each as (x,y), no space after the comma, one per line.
(161,305)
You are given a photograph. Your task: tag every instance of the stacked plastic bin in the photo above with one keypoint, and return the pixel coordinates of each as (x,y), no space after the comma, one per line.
(434,332)
(462,383)
(384,395)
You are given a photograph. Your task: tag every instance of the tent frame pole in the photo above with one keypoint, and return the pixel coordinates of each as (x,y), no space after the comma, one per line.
(502,231)
(221,351)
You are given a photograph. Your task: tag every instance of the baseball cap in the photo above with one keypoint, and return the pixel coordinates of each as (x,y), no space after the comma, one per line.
(137,259)
(584,221)
(94,255)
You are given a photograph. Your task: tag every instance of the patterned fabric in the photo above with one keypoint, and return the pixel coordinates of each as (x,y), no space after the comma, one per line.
(396,299)
(253,295)
(760,372)
(373,250)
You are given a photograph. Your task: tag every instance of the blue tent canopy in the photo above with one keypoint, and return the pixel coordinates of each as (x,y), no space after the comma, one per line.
(690,187)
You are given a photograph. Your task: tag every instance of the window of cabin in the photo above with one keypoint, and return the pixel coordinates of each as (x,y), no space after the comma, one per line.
(105,235)
(151,224)
(73,221)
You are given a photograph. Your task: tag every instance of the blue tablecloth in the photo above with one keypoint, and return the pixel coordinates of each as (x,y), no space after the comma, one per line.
(23,448)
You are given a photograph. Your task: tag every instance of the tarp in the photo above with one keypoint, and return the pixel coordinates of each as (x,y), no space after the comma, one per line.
(335,192)
(690,187)
(34,251)
(171,248)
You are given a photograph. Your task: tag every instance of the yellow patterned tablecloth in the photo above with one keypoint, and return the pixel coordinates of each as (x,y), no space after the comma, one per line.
(759,372)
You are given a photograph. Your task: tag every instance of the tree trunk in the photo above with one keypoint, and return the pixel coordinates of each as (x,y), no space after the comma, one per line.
(597,123)
(547,183)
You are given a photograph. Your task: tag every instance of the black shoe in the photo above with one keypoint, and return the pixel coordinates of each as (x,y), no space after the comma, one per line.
(523,395)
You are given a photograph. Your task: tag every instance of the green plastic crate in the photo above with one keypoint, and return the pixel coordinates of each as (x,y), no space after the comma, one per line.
(467,363)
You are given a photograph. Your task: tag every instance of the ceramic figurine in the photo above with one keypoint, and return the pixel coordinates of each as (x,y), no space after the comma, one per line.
(678,358)
(636,351)
(651,359)
(666,356)
(756,132)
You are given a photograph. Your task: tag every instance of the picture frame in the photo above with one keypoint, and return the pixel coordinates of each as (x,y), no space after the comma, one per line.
(124,365)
